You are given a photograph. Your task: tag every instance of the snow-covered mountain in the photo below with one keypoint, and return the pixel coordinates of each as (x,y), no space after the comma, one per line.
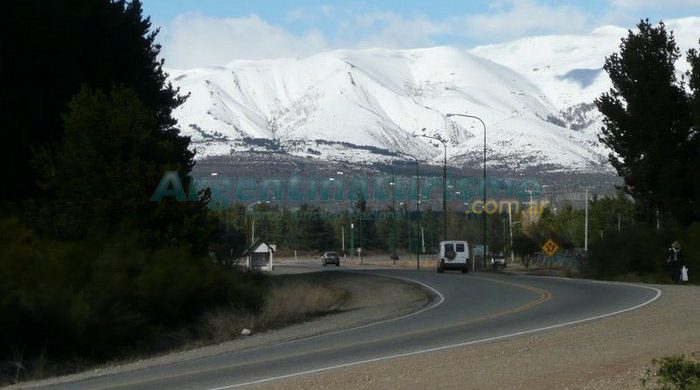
(569,68)
(364,105)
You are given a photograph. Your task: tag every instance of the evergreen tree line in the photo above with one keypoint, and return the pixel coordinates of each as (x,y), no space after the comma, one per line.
(652,125)
(310,230)
(620,246)
(651,122)
(90,268)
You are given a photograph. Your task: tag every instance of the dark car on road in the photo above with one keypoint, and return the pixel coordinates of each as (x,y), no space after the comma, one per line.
(330,258)
(498,260)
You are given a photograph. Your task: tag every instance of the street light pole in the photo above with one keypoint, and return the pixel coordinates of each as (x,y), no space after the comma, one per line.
(393,216)
(510,223)
(417,208)
(352,240)
(484,188)
(362,222)
(252,223)
(585,237)
(408,230)
(444,184)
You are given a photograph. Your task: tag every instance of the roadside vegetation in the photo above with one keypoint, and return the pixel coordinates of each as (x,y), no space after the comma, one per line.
(631,251)
(652,125)
(90,269)
(291,299)
(673,373)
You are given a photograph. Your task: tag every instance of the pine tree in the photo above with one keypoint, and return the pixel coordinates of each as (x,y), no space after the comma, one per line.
(693,179)
(646,121)
(49,50)
(103,171)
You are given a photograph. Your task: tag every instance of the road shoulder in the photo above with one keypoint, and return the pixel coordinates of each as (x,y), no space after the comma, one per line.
(608,353)
(372,299)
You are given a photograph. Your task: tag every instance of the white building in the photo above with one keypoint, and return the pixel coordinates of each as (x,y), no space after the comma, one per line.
(260,256)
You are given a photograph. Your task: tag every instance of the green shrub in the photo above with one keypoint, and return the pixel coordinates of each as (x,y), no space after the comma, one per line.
(637,250)
(674,372)
(101,298)
(639,253)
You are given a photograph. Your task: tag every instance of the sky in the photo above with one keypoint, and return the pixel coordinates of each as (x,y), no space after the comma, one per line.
(198,33)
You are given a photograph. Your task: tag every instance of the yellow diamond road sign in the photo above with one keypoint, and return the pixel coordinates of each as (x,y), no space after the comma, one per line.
(550,248)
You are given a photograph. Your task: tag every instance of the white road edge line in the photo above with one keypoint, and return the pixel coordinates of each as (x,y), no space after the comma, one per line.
(657,296)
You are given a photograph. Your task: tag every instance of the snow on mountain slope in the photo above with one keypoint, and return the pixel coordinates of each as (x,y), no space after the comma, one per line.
(569,68)
(363,105)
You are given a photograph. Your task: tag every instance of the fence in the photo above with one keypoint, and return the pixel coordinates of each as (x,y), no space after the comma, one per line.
(565,259)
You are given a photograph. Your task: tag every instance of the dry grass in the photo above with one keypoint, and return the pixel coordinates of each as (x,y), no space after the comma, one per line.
(293,299)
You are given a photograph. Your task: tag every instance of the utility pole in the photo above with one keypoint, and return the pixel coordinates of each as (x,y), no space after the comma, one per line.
(352,240)
(408,225)
(342,238)
(362,222)
(418,196)
(510,222)
(532,207)
(504,229)
(585,237)
(422,239)
(484,196)
(393,216)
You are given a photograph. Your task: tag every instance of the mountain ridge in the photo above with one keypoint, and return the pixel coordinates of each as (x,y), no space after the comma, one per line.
(366,105)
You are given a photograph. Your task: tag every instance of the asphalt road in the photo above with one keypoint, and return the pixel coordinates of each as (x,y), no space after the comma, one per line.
(468,309)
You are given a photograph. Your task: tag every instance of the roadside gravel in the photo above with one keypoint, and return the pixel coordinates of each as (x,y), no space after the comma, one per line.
(611,353)
(372,298)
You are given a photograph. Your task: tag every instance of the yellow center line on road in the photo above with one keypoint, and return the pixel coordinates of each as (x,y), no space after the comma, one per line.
(544,295)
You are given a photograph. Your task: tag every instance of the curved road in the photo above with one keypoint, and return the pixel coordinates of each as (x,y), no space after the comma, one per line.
(468,309)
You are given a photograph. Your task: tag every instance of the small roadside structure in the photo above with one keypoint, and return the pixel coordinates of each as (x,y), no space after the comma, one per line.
(259,256)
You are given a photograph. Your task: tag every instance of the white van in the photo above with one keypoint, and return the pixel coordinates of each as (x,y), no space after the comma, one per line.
(453,255)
